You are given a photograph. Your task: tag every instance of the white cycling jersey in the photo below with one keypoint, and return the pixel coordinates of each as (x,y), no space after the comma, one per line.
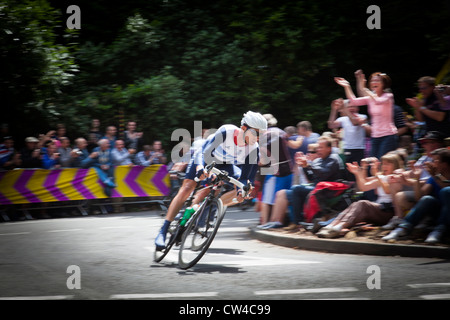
(223,148)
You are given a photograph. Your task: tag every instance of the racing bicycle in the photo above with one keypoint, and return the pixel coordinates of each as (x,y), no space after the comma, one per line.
(194,236)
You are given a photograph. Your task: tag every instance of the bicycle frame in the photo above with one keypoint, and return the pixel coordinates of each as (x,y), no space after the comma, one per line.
(178,231)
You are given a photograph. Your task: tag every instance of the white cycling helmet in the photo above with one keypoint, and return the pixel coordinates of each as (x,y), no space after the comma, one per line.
(254,120)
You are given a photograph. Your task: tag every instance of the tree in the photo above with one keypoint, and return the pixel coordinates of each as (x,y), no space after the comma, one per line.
(35,66)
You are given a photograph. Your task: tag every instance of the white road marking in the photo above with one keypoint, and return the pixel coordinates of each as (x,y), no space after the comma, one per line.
(429,285)
(304,291)
(235,260)
(253,261)
(38,298)
(232,229)
(63,230)
(444,296)
(164,295)
(354,298)
(14,233)
(116,227)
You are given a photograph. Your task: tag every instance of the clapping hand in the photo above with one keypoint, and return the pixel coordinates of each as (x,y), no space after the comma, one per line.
(353,167)
(342,82)
(337,104)
(301,159)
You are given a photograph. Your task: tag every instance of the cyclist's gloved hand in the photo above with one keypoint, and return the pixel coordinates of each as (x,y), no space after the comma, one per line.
(248,189)
(201,173)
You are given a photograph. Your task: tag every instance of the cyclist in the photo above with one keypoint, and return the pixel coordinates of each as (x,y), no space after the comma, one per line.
(235,150)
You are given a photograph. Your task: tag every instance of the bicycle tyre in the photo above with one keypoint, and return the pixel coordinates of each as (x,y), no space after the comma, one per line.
(189,253)
(158,255)
(175,231)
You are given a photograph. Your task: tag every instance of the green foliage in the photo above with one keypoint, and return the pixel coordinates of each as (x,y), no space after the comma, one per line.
(35,67)
(168,63)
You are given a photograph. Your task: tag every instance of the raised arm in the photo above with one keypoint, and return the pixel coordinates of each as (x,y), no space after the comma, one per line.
(336,106)
(360,83)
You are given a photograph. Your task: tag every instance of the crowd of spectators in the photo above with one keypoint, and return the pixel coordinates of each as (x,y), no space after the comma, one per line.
(55,150)
(398,164)
(98,150)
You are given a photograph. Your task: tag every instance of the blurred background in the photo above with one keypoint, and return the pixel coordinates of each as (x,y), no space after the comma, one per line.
(166,63)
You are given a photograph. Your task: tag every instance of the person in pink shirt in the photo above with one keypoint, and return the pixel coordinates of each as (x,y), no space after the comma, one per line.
(380,104)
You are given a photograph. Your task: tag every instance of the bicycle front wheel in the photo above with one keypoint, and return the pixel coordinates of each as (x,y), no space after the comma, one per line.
(200,232)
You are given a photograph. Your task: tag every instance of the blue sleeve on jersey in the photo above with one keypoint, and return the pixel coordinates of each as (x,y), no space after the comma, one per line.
(205,154)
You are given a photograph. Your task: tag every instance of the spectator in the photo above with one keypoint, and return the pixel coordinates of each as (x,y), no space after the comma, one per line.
(400,121)
(92,142)
(442,93)
(378,212)
(311,156)
(407,196)
(95,129)
(355,130)
(80,154)
(65,152)
(100,159)
(31,154)
(326,167)
(132,139)
(305,136)
(4,131)
(143,157)
(151,155)
(290,131)
(279,162)
(158,153)
(300,142)
(6,149)
(334,141)
(120,155)
(9,158)
(111,135)
(435,201)
(428,109)
(50,156)
(381,110)
(59,134)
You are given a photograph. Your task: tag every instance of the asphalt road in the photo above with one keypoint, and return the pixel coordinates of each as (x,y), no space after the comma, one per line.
(109,257)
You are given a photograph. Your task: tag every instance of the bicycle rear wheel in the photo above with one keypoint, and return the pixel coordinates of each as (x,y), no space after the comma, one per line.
(200,232)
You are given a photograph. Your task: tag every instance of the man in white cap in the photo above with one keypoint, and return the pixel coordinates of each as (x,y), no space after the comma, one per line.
(234,150)
(31,154)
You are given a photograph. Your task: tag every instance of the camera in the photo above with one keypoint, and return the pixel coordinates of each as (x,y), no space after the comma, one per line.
(78,151)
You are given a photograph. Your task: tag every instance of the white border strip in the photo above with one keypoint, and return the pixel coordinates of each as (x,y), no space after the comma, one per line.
(13,234)
(429,285)
(38,298)
(445,296)
(305,291)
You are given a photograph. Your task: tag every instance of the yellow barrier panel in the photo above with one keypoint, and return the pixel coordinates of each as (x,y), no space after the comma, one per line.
(41,185)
